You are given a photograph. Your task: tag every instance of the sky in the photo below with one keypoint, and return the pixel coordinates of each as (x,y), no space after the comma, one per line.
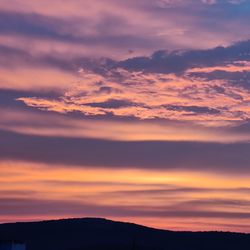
(134,110)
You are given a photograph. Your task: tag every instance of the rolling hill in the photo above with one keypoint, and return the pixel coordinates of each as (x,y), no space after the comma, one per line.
(97,234)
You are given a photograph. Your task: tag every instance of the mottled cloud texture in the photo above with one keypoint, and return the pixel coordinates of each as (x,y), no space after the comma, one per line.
(132,110)
(195,85)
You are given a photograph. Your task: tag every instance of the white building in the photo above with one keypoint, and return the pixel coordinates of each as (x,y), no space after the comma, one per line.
(12,245)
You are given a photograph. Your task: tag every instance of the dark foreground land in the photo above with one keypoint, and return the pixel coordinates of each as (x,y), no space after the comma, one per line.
(97,234)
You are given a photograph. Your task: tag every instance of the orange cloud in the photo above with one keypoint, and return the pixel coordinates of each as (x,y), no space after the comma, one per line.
(151,95)
(238,66)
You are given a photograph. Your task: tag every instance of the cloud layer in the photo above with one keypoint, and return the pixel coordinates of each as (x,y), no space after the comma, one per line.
(133,110)
(202,86)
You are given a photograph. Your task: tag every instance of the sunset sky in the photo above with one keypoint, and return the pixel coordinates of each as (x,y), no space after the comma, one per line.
(135,110)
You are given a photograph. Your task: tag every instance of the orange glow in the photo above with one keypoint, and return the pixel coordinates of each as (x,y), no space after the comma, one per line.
(167,97)
(184,192)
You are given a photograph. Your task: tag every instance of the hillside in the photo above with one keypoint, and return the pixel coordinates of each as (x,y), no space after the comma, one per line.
(93,233)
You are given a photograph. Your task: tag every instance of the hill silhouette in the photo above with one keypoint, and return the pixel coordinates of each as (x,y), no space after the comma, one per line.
(97,234)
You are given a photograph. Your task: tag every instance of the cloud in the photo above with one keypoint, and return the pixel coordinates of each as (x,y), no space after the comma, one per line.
(46,27)
(209,1)
(112,104)
(179,61)
(81,27)
(83,33)
(162,155)
(17,117)
(194,109)
(16,58)
(60,208)
(201,86)
(238,78)
(165,62)
(171,191)
(143,95)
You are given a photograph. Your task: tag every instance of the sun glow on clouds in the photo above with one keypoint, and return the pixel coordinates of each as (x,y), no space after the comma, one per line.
(239,66)
(154,95)
(126,110)
(145,195)
(61,126)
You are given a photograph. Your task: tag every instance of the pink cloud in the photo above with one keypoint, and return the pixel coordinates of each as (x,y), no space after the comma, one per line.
(153,95)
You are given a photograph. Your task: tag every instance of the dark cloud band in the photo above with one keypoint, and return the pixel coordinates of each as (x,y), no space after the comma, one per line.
(161,155)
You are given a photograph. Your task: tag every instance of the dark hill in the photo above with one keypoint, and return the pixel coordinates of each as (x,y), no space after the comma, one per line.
(93,234)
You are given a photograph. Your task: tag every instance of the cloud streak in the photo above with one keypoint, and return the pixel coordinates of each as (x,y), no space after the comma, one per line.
(117,154)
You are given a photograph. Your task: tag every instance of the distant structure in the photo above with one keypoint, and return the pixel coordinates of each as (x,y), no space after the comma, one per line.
(12,245)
